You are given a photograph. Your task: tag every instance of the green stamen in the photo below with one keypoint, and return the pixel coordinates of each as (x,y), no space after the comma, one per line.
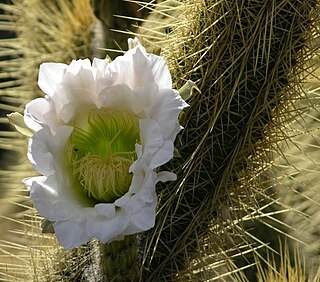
(101,149)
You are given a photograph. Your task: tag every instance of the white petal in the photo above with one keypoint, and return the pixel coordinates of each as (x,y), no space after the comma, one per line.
(28,182)
(76,65)
(163,155)
(166,111)
(50,75)
(39,154)
(71,233)
(132,43)
(138,149)
(131,204)
(38,112)
(160,71)
(106,229)
(143,220)
(46,199)
(145,96)
(133,69)
(107,210)
(118,97)
(165,176)
(140,68)
(78,88)
(100,64)
(44,149)
(151,138)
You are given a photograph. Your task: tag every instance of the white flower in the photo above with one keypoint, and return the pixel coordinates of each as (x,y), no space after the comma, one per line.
(100,133)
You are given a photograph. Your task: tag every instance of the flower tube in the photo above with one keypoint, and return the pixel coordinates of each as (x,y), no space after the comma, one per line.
(99,135)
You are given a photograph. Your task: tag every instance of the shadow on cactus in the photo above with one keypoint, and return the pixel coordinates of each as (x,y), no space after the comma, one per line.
(248,59)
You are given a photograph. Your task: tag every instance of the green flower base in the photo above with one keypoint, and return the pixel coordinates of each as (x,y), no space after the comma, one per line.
(118,260)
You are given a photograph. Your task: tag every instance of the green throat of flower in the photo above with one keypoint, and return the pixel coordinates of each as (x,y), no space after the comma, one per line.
(100,151)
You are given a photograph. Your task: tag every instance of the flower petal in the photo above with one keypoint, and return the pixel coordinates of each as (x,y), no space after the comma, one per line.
(45,199)
(50,75)
(45,149)
(118,97)
(100,64)
(143,220)
(134,67)
(163,155)
(150,135)
(106,229)
(165,176)
(38,112)
(166,111)
(71,233)
(140,68)
(160,71)
(107,210)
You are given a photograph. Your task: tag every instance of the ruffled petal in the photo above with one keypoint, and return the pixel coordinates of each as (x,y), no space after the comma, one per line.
(164,176)
(106,210)
(46,199)
(145,96)
(50,75)
(140,68)
(71,233)
(118,97)
(160,72)
(142,220)
(78,88)
(100,64)
(166,111)
(151,138)
(163,155)
(107,229)
(134,67)
(76,66)
(38,112)
(45,149)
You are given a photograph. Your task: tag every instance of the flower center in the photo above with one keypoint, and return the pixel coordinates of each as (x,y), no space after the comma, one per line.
(101,149)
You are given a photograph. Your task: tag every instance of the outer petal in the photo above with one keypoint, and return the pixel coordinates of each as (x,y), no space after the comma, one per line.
(138,68)
(50,75)
(100,64)
(160,71)
(165,176)
(39,112)
(106,210)
(76,66)
(134,67)
(119,97)
(142,220)
(163,155)
(71,233)
(45,149)
(166,110)
(106,229)
(47,200)
(41,196)
(151,140)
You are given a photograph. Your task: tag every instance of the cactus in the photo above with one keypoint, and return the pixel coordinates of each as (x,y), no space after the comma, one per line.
(248,59)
